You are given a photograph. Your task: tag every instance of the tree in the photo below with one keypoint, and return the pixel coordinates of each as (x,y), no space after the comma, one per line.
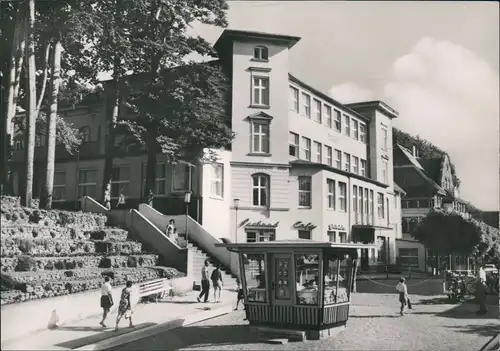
(188,114)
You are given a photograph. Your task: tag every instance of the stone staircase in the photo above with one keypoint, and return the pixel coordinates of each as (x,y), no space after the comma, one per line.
(199,261)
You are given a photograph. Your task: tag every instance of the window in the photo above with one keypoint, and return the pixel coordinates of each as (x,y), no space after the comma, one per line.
(329,155)
(306,148)
(381,252)
(160,187)
(306,111)
(366,201)
(18,142)
(363,168)
(260,137)
(120,179)
(408,257)
(355,198)
(338,159)
(338,121)
(87,183)
(355,165)
(306,278)
(384,139)
(343,237)
(217,180)
(347,162)
(342,196)
(85,134)
(318,149)
(304,234)
(332,236)
(373,255)
(347,125)
(360,197)
(181,177)
(261,53)
(255,276)
(362,132)
(372,209)
(380,205)
(260,190)
(388,209)
(260,90)
(293,144)
(304,191)
(330,184)
(333,296)
(317,111)
(328,116)
(294,99)
(255,235)
(355,131)
(59,187)
(384,172)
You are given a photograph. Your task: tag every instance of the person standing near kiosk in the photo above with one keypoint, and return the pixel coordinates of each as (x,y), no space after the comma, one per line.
(205,283)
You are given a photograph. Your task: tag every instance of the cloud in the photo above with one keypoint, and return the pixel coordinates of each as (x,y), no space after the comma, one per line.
(450,96)
(350,92)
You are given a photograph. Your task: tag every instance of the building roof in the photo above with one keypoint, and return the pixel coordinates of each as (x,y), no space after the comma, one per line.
(304,163)
(229,35)
(379,105)
(398,189)
(433,167)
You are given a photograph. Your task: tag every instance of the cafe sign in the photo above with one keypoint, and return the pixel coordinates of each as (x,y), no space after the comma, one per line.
(261,224)
(304,226)
(336,227)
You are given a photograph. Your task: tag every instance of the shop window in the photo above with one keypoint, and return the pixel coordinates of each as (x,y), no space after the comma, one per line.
(255,277)
(307,276)
(336,280)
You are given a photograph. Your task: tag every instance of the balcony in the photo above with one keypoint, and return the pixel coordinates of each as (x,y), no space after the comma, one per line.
(363,219)
(87,150)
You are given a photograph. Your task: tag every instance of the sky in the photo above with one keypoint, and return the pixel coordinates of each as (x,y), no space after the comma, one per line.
(436,63)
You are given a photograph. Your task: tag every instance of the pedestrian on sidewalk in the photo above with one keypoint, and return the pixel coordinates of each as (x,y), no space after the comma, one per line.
(403,294)
(205,284)
(481,290)
(125,306)
(240,296)
(217,282)
(106,299)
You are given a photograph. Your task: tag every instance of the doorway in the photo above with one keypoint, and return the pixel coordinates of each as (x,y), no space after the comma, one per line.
(365,263)
(281,279)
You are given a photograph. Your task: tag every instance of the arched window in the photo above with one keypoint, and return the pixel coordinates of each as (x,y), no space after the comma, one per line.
(19,142)
(85,134)
(261,53)
(260,190)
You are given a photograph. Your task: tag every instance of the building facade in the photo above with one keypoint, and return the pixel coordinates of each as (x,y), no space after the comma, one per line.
(302,165)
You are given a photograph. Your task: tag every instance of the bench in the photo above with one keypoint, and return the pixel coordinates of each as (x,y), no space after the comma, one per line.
(157,288)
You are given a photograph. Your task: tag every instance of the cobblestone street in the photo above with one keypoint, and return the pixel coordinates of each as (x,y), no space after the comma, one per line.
(374,325)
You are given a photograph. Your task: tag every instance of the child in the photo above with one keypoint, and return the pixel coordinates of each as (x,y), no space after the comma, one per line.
(403,294)
(240,294)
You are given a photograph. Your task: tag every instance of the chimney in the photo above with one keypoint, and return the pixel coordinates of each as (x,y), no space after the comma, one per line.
(415,151)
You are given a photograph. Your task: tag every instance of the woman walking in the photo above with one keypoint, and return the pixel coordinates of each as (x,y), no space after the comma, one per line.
(403,294)
(217,283)
(106,299)
(125,306)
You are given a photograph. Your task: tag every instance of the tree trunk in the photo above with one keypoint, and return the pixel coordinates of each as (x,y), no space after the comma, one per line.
(31,105)
(150,172)
(46,198)
(113,115)
(44,82)
(10,105)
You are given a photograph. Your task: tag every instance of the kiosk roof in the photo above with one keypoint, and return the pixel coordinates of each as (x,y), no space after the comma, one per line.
(301,243)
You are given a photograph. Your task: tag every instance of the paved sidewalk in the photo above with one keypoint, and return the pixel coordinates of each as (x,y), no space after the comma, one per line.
(148,319)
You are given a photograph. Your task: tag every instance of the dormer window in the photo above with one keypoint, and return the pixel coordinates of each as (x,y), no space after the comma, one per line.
(85,134)
(261,53)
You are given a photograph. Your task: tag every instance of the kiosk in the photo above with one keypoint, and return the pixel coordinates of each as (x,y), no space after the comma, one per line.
(300,285)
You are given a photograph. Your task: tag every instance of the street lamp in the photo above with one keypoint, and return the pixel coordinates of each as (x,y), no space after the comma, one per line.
(187,200)
(236,203)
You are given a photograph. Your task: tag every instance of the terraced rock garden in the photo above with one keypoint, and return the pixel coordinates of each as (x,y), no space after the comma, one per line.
(53,253)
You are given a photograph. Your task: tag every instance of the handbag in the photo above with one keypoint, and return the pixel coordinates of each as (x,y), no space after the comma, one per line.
(409,304)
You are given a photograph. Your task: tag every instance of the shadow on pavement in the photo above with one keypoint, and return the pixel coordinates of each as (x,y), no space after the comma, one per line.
(107,333)
(488,330)
(376,316)
(187,302)
(194,337)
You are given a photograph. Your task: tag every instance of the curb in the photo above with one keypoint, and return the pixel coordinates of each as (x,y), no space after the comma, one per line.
(492,345)
(157,329)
